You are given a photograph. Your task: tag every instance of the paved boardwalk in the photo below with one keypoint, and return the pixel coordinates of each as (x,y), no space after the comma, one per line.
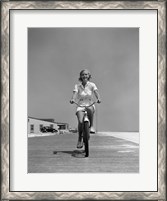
(58,154)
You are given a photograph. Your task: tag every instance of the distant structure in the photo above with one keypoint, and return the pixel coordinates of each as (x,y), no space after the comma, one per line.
(50,120)
(62,126)
(35,125)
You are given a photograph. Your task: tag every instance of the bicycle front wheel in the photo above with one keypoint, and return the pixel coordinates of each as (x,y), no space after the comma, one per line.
(86,138)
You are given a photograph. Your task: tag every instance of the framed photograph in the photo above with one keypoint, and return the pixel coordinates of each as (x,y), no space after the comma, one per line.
(109,58)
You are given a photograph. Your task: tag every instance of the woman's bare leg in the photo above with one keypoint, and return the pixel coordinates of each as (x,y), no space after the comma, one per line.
(91,118)
(80,115)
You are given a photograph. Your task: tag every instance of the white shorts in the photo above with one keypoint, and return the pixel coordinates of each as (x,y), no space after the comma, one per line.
(82,108)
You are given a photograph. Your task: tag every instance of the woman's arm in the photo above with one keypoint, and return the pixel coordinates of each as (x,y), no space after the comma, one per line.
(74,95)
(97,96)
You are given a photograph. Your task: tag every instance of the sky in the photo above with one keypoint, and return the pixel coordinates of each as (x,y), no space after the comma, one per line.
(57,55)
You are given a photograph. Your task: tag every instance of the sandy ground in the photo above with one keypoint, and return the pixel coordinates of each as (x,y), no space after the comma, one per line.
(58,154)
(130,136)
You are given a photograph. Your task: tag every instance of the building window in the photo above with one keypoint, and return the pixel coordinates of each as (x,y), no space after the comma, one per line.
(31,128)
(40,126)
(62,127)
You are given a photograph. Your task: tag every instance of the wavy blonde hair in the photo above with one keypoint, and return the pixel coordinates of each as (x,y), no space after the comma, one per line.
(80,79)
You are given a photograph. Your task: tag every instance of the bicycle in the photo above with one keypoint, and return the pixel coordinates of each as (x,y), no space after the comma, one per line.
(86,126)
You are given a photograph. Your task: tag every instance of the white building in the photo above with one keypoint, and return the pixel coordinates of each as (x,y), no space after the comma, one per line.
(35,125)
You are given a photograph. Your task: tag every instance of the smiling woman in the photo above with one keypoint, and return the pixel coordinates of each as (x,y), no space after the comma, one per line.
(83,92)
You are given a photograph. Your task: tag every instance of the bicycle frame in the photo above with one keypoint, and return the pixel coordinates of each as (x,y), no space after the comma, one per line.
(86,126)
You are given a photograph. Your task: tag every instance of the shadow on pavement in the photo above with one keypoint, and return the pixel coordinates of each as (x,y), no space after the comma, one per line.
(74,153)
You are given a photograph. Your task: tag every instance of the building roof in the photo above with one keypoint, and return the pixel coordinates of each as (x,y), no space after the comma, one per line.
(48,120)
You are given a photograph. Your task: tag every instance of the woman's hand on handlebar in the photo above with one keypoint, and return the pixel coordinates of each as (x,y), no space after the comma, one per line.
(72,101)
(98,101)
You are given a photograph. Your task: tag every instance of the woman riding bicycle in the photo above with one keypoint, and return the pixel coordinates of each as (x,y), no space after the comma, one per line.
(83,92)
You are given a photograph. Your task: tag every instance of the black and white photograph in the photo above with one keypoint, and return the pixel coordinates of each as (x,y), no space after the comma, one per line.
(83,100)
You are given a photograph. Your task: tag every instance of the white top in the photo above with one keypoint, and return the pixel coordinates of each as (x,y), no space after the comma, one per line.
(85,94)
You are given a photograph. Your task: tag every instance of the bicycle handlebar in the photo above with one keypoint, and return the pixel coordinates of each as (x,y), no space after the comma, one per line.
(84,105)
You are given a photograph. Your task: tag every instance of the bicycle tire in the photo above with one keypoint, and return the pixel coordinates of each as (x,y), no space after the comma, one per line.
(86,138)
